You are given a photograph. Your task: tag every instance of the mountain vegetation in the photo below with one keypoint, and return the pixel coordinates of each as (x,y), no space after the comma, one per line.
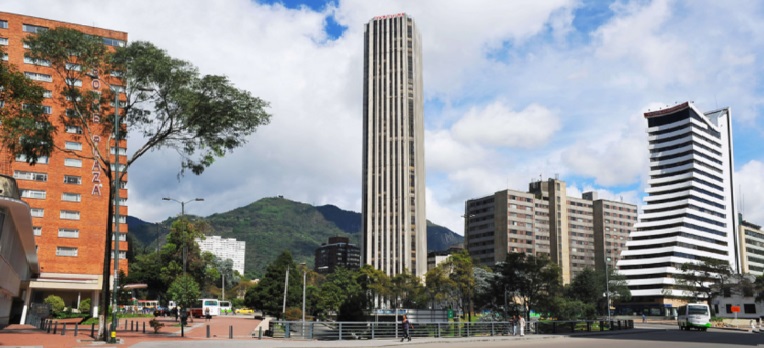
(274,224)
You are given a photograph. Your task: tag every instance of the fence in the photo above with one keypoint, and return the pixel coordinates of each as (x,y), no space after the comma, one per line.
(325,330)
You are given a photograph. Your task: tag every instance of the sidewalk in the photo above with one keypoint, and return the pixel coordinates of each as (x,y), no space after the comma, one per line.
(25,335)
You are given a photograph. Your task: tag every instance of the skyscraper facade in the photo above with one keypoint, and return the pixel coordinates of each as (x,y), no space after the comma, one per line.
(688,213)
(394,225)
(67,194)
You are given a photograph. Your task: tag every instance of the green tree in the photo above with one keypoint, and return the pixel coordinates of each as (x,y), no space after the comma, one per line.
(703,280)
(268,294)
(184,290)
(163,99)
(24,127)
(440,287)
(535,280)
(460,270)
(56,304)
(407,291)
(375,283)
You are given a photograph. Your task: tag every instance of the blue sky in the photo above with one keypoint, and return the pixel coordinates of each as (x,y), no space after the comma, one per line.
(514,90)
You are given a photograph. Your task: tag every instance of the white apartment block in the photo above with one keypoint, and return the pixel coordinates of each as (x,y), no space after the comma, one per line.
(394,237)
(225,248)
(688,213)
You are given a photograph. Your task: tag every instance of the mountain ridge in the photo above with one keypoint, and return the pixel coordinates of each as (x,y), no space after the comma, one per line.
(274,224)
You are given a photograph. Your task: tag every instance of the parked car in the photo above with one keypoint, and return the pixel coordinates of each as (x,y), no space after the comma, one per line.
(244,310)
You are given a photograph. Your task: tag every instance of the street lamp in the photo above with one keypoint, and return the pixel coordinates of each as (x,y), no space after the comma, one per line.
(304,279)
(607,287)
(182,214)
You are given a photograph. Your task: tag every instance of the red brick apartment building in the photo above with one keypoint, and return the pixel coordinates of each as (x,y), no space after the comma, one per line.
(68,196)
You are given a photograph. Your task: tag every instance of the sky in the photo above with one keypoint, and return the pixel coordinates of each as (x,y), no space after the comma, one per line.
(514,91)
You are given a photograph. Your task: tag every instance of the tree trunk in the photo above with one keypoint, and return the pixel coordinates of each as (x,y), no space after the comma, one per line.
(103,332)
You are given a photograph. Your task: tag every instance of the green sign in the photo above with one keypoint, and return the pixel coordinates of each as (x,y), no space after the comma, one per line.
(450,314)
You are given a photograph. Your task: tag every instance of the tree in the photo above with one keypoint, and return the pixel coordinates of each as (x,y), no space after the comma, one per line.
(21,116)
(269,293)
(705,279)
(164,100)
(184,290)
(407,291)
(460,270)
(375,283)
(440,287)
(535,280)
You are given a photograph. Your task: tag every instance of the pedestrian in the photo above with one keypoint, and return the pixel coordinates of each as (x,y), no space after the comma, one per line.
(407,326)
(521,324)
(514,325)
(644,318)
(175,312)
(207,315)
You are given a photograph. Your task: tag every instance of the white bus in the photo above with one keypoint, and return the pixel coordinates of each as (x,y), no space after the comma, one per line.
(225,307)
(694,315)
(200,307)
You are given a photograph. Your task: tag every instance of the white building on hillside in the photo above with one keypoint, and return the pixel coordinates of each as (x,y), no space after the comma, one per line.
(225,248)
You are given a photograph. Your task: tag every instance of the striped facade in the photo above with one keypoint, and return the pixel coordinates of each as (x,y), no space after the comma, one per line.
(394,236)
(688,213)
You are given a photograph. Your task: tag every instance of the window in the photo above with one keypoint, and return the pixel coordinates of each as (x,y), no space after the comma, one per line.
(38,76)
(33,28)
(22,175)
(45,109)
(121,167)
(113,42)
(71,197)
(122,151)
(122,237)
(5,57)
(122,219)
(122,201)
(66,251)
(3,24)
(71,179)
(117,88)
(40,62)
(749,308)
(69,215)
(73,145)
(47,94)
(68,233)
(36,194)
(74,82)
(74,129)
(37,230)
(3,41)
(73,162)
(37,212)
(73,67)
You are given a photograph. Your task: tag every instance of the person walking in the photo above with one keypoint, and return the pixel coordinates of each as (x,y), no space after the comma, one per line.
(407,326)
(207,315)
(521,323)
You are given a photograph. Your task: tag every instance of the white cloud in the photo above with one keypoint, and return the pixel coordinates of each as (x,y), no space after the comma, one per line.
(750,190)
(513,92)
(497,125)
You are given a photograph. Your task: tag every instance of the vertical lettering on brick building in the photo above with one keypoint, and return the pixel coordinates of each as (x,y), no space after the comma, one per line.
(96,169)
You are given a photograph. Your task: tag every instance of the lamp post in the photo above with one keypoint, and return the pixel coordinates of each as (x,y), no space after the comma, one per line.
(607,287)
(115,286)
(183,214)
(304,279)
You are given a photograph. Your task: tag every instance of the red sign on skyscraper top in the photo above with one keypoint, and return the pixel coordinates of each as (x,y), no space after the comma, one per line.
(390,16)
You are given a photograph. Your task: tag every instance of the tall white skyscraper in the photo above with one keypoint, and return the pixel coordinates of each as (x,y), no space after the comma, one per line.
(689,211)
(394,235)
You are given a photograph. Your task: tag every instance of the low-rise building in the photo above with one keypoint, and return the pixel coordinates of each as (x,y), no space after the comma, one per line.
(338,252)
(18,252)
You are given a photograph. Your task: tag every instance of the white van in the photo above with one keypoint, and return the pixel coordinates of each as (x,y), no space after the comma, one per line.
(694,315)
(225,308)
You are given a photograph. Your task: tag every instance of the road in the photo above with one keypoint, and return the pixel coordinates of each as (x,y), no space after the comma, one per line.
(644,336)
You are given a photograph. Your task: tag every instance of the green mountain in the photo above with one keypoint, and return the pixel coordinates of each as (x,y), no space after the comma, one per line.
(272,225)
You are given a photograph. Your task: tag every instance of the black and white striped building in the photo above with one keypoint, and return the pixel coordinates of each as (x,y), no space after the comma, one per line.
(689,210)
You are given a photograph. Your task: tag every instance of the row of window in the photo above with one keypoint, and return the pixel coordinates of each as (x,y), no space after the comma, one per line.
(75,162)
(73,251)
(66,196)
(67,214)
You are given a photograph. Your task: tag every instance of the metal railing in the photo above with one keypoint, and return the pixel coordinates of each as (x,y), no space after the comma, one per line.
(328,330)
